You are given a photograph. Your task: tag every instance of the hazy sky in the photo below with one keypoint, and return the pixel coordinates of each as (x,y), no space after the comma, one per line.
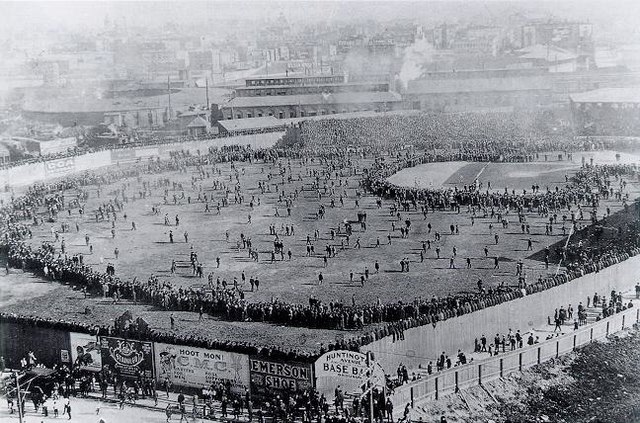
(33,16)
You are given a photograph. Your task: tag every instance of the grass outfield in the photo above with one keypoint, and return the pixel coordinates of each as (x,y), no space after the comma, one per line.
(148,250)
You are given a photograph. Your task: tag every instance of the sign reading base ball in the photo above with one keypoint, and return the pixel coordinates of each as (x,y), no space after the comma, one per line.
(347,369)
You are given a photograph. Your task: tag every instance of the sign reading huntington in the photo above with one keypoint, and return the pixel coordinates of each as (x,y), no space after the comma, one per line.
(60,167)
(348,369)
(200,368)
(267,376)
(128,358)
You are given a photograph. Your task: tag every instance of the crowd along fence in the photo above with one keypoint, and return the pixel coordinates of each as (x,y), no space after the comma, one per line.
(50,169)
(476,373)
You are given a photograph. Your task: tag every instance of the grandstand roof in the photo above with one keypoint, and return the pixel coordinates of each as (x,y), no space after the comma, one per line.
(608,95)
(449,86)
(268,122)
(310,99)
(351,115)
(235,125)
(328,84)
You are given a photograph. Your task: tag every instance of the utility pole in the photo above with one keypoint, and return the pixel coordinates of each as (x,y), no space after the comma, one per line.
(18,396)
(370,385)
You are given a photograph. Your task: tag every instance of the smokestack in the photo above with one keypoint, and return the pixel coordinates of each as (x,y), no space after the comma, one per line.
(206,82)
(169,91)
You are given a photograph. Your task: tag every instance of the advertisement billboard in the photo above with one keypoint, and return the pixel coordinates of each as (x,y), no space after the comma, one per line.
(165,150)
(347,369)
(147,152)
(198,367)
(268,376)
(85,351)
(123,155)
(59,167)
(59,145)
(126,357)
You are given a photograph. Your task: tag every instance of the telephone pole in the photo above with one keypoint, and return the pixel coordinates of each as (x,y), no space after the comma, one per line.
(370,385)
(18,396)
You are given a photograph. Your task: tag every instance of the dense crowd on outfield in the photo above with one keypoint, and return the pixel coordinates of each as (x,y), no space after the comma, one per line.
(471,137)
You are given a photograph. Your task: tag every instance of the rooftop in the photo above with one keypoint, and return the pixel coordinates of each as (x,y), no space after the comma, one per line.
(608,95)
(548,53)
(66,100)
(311,99)
(440,86)
(198,122)
(235,125)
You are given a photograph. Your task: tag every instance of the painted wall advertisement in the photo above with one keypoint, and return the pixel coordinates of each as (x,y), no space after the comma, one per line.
(85,351)
(198,367)
(123,155)
(59,145)
(127,357)
(267,376)
(347,369)
(60,167)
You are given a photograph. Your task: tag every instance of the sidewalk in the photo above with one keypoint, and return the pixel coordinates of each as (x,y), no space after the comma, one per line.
(171,401)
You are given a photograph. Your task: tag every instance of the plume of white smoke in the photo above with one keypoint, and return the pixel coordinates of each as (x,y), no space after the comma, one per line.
(414,58)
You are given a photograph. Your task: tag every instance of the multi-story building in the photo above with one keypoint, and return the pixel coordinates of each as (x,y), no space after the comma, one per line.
(200,60)
(574,36)
(478,90)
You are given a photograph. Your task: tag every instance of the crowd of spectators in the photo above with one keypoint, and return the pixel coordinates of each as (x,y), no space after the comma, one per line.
(460,137)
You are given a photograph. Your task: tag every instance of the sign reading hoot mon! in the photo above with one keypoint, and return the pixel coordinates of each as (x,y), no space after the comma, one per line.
(347,369)
(127,357)
(198,367)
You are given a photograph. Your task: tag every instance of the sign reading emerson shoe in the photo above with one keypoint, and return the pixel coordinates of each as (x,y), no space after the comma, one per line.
(268,375)
(128,358)
(200,368)
(60,167)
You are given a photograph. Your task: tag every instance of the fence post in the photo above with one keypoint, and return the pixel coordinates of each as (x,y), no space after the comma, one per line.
(412,398)
(539,353)
(574,342)
(457,388)
(480,374)
(520,361)
(591,335)
(623,316)
(557,349)
(608,328)
(437,387)
(638,315)
(501,367)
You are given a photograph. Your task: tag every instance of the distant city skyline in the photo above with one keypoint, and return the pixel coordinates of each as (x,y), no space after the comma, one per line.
(83,15)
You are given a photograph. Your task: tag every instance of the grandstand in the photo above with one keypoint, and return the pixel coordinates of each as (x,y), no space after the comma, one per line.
(298,97)
(607,112)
